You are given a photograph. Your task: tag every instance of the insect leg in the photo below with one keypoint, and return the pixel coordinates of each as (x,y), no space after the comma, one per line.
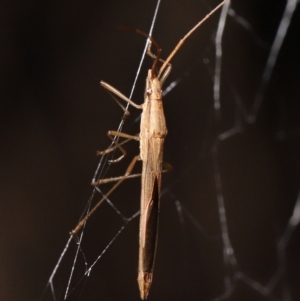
(114,179)
(167,167)
(126,175)
(111,135)
(113,90)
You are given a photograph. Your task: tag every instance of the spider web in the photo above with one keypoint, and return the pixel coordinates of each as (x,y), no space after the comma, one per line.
(230,210)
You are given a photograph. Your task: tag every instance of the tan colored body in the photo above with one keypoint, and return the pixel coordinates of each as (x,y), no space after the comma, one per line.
(152,135)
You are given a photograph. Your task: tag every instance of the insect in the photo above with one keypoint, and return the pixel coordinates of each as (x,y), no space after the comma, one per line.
(153,131)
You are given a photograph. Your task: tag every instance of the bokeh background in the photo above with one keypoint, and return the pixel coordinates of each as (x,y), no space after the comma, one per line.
(54,116)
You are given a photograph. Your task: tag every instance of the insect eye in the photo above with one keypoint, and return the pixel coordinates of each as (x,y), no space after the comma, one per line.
(149,91)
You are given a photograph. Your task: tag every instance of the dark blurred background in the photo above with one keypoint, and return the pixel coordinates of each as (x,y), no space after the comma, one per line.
(54,116)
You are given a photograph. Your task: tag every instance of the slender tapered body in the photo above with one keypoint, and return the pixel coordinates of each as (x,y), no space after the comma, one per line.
(152,134)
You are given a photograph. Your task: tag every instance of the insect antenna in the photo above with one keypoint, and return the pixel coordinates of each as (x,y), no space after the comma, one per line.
(158,48)
(180,43)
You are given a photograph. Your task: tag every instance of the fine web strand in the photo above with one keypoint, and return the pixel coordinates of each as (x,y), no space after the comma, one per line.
(218,43)
(288,13)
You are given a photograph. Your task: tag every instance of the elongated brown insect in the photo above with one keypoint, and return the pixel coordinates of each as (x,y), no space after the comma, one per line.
(153,131)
